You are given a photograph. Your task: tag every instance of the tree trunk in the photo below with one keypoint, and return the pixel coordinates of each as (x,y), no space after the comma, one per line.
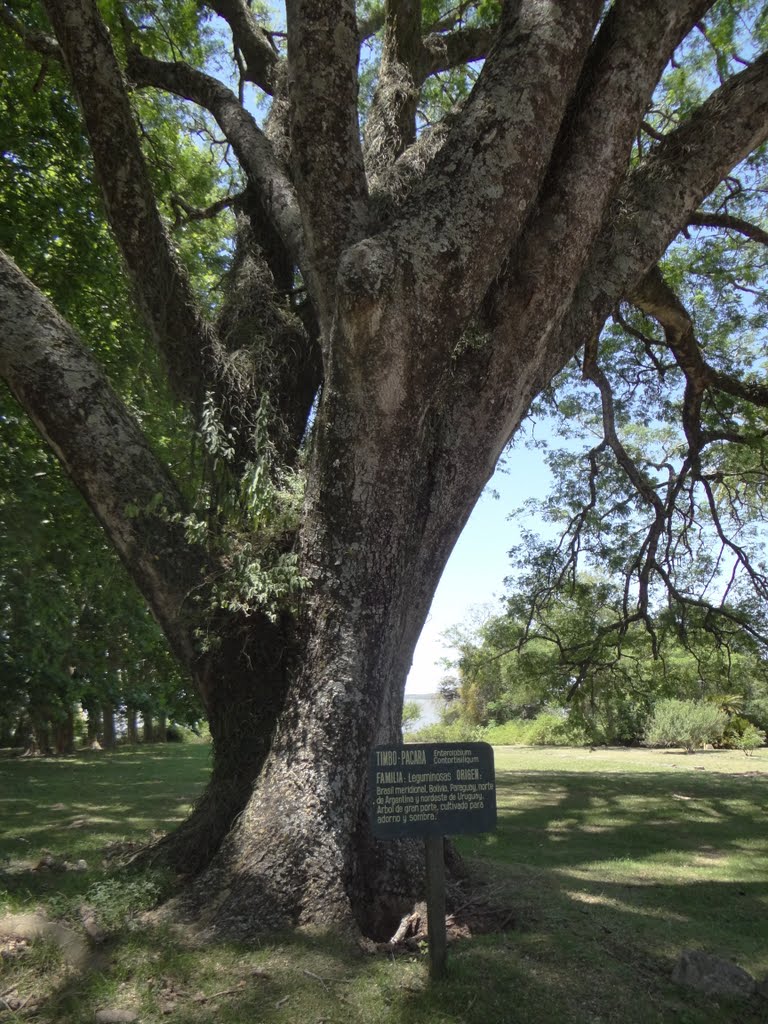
(241,732)
(162,727)
(94,723)
(148,730)
(65,733)
(132,729)
(301,853)
(41,738)
(109,739)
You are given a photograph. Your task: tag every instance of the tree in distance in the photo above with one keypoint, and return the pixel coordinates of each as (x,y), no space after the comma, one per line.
(344,314)
(411,715)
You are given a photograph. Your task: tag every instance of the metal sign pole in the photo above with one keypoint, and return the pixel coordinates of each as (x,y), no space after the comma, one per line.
(435,863)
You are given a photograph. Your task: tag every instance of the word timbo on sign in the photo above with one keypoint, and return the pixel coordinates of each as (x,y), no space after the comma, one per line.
(432,789)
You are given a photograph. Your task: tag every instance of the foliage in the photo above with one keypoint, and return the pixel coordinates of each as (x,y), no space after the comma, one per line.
(448,732)
(547,729)
(118,900)
(685,723)
(411,715)
(569,646)
(741,734)
(77,631)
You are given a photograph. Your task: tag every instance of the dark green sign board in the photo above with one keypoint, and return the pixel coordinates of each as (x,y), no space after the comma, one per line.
(432,789)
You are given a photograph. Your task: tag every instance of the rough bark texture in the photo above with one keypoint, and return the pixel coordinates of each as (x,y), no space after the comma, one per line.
(131,725)
(108,734)
(437,306)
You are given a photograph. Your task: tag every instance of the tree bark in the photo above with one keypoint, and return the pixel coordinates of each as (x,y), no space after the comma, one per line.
(132,729)
(244,685)
(108,734)
(301,852)
(94,723)
(65,733)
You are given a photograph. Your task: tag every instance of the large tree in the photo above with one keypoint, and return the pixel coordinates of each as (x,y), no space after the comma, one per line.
(401,287)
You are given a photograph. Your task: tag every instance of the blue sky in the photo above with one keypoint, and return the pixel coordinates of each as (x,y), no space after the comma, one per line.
(473,580)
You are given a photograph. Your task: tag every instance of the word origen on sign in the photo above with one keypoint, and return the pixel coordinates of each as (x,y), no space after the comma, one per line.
(432,789)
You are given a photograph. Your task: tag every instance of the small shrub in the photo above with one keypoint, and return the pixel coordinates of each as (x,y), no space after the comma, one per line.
(685,723)
(184,734)
(448,732)
(547,729)
(734,730)
(512,733)
(748,739)
(551,730)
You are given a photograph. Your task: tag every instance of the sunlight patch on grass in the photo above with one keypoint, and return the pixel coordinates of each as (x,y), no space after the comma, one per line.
(600,899)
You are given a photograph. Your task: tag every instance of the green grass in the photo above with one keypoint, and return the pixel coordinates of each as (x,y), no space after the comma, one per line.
(73,807)
(613,861)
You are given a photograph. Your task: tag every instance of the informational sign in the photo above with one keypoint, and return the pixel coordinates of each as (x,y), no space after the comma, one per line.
(432,789)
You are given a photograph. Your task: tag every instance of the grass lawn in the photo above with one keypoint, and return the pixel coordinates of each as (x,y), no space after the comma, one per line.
(613,860)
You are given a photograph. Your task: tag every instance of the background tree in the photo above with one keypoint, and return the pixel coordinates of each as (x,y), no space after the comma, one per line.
(568,653)
(411,715)
(398,289)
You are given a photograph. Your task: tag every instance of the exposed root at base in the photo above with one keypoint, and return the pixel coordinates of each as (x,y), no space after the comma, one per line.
(475,912)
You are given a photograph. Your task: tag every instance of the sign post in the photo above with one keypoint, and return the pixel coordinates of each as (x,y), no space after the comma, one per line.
(432,790)
(436,937)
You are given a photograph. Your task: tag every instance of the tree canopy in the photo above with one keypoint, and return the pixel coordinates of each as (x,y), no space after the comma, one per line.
(280,286)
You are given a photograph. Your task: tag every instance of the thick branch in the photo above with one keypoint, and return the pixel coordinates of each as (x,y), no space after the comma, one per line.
(251,40)
(458,225)
(704,219)
(662,194)
(654,296)
(391,124)
(102,449)
(406,62)
(264,333)
(525,349)
(659,197)
(161,284)
(327,160)
(252,148)
(443,51)
(33,39)
(622,69)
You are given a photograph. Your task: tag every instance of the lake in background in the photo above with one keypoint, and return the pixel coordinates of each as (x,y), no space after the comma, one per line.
(430,705)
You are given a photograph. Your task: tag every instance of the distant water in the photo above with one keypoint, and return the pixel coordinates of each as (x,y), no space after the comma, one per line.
(430,705)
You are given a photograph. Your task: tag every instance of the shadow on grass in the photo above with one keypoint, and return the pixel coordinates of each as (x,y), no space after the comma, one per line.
(529,978)
(572,818)
(73,807)
(613,874)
